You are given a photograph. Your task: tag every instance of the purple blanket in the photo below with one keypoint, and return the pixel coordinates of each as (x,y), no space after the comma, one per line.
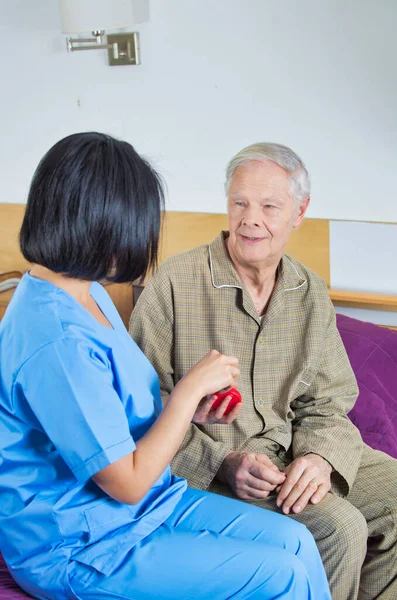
(8,588)
(372,351)
(373,355)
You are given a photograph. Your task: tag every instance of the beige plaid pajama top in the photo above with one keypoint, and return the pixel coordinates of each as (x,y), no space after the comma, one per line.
(296,380)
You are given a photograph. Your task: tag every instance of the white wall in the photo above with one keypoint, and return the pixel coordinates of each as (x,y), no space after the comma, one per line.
(363,258)
(318,75)
(367,250)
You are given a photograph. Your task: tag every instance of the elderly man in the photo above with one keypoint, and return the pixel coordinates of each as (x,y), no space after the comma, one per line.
(292,448)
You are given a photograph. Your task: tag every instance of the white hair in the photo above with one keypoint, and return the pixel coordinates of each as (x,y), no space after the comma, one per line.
(299,179)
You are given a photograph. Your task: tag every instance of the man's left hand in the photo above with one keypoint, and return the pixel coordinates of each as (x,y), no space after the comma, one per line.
(308,480)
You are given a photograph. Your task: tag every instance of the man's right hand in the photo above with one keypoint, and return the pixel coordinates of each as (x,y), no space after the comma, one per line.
(250,476)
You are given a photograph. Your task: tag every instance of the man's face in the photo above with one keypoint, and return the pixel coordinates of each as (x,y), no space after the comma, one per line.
(262,214)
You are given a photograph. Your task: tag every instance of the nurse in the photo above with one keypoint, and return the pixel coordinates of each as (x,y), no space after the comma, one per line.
(88,506)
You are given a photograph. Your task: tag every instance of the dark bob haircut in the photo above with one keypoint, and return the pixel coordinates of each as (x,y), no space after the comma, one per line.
(93,210)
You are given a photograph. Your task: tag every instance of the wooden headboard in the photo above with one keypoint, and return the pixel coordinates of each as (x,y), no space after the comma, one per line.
(181,231)
(185,230)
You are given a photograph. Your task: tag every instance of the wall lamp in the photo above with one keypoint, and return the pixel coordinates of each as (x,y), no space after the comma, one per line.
(99,16)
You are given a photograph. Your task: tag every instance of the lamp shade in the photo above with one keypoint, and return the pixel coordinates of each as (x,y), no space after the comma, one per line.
(81,16)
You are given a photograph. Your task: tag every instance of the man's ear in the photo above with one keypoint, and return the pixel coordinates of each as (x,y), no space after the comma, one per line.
(299,216)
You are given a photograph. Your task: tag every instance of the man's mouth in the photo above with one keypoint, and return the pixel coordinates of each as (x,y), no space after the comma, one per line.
(252,239)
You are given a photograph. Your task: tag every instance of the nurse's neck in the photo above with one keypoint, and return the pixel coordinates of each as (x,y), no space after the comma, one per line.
(79,289)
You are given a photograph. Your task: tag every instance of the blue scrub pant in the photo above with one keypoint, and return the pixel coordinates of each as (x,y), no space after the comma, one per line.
(214,548)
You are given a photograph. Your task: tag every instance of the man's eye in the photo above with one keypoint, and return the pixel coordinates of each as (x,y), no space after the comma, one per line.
(239,203)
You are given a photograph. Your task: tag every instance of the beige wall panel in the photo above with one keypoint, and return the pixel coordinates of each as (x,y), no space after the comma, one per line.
(310,245)
(11,259)
(183,231)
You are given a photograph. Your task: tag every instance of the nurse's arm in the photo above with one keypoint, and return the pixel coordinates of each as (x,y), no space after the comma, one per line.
(130,478)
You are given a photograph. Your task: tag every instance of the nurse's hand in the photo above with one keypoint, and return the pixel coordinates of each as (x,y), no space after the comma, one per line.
(212,373)
(204,415)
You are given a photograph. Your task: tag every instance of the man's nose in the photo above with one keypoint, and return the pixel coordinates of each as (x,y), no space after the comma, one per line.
(252,217)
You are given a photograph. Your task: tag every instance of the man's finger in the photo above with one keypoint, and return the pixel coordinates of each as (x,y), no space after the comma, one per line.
(220,411)
(257,494)
(233,414)
(300,487)
(321,492)
(254,483)
(263,458)
(293,476)
(206,403)
(266,473)
(287,486)
(304,498)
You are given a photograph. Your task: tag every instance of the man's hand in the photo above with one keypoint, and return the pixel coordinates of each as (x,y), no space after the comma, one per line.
(204,414)
(308,480)
(251,476)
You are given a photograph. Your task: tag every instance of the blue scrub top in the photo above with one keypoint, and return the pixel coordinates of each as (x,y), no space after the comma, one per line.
(75,396)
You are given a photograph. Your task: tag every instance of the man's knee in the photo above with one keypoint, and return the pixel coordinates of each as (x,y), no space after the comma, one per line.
(345,526)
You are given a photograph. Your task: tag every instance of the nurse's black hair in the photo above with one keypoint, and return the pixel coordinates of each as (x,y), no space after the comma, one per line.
(93,210)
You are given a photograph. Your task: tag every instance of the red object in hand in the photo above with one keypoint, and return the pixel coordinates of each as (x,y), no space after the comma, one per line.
(220,396)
